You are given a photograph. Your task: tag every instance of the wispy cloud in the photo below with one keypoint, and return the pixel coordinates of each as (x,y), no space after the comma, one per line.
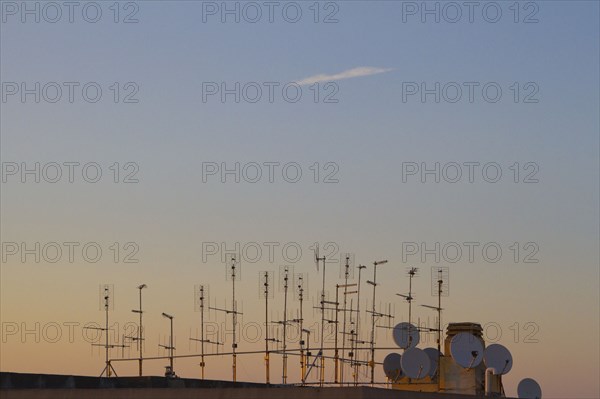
(350,73)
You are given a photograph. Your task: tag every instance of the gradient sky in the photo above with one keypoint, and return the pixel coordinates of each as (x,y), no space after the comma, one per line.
(369,133)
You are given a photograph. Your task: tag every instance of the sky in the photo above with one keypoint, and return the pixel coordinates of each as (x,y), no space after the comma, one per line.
(143,141)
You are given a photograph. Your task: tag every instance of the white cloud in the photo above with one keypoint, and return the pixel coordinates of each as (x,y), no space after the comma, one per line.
(350,73)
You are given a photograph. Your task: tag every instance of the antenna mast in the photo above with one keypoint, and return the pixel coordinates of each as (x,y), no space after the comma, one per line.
(265,278)
(234,319)
(317,260)
(234,275)
(202,296)
(108,368)
(357,337)
(348,258)
(170,372)
(140,336)
(285,292)
(300,287)
(373,315)
(202,362)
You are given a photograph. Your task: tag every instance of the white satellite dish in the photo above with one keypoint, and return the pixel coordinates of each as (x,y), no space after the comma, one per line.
(392,367)
(466,350)
(406,335)
(433,354)
(529,389)
(498,357)
(415,363)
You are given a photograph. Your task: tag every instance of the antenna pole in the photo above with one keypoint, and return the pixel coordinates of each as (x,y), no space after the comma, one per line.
(440,281)
(439,326)
(202,363)
(307,352)
(373,325)
(302,359)
(346,274)
(170,372)
(108,365)
(285,290)
(356,338)
(141,331)
(171,345)
(411,274)
(234,319)
(322,371)
(266,285)
(373,316)
(336,356)
(140,334)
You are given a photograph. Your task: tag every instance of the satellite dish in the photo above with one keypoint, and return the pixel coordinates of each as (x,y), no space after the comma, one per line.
(529,389)
(406,335)
(415,363)
(433,354)
(466,350)
(391,366)
(498,357)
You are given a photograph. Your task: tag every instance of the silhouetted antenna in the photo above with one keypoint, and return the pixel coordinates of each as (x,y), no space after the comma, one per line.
(357,331)
(347,266)
(346,272)
(201,293)
(437,274)
(106,290)
(412,272)
(233,272)
(233,267)
(140,334)
(285,279)
(170,372)
(106,295)
(265,281)
(440,279)
(321,355)
(300,283)
(374,316)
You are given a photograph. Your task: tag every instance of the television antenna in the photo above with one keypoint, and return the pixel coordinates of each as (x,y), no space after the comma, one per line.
(308,354)
(265,281)
(373,317)
(284,276)
(170,372)
(337,310)
(202,295)
(357,334)
(108,368)
(233,270)
(299,284)
(412,272)
(140,335)
(320,354)
(347,265)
